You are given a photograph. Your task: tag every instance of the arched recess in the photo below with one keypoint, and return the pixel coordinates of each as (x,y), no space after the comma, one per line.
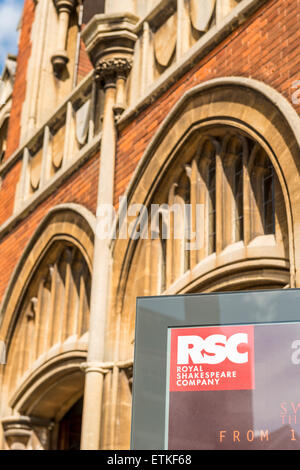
(256,111)
(44,323)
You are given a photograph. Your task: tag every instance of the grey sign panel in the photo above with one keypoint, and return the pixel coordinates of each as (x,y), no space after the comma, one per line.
(246,399)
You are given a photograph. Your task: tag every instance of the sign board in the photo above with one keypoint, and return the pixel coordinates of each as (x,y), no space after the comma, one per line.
(217,372)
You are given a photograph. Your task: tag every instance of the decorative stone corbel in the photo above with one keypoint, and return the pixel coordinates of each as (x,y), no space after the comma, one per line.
(110,41)
(60,57)
(17,432)
(19,429)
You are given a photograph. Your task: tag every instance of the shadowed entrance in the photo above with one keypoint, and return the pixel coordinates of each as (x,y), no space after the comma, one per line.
(70,428)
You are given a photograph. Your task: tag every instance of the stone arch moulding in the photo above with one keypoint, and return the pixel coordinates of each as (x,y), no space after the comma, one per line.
(69,222)
(59,382)
(247,104)
(42,399)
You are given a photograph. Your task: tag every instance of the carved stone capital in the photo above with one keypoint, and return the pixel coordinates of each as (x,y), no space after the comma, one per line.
(107,71)
(123,67)
(65,5)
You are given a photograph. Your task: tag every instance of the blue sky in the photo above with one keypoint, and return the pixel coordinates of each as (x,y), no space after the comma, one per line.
(10,14)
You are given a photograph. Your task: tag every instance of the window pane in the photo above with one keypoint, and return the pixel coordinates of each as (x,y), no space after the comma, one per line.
(211,185)
(238,197)
(268,200)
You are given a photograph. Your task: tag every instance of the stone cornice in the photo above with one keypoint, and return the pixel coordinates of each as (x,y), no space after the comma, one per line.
(107,71)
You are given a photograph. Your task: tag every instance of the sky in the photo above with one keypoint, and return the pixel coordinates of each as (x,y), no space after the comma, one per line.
(10,15)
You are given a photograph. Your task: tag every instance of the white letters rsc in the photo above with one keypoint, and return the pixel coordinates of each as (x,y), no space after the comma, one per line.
(213,350)
(232,352)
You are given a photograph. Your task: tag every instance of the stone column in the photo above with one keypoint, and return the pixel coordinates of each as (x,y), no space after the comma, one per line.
(92,406)
(109,72)
(246,200)
(35,73)
(228,197)
(183,29)
(219,202)
(146,54)
(60,57)
(109,41)
(123,68)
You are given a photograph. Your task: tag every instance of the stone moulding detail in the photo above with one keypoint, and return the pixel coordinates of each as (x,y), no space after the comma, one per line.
(108,70)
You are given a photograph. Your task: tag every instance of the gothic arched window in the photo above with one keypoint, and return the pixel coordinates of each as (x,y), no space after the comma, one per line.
(211,193)
(55,308)
(263,193)
(233,182)
(268,199)
(238,198)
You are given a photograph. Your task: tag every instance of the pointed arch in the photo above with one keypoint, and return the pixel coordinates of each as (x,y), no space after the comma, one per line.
(67,222)
(45,317)
(252,109)
(247,104)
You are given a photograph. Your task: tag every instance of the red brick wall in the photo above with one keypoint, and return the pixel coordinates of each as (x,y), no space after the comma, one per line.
(10,180)
(84,63)
(265,48)
(7,192)
(80,188)
(13,136)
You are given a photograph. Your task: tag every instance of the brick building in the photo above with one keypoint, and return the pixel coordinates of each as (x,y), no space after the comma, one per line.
(154,102)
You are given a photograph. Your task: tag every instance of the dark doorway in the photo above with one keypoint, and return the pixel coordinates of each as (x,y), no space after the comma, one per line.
(70,428)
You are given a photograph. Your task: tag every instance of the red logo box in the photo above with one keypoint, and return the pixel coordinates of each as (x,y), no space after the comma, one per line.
(213,358)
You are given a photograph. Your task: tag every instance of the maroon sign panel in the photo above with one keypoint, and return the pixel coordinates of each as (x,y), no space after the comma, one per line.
(234,387)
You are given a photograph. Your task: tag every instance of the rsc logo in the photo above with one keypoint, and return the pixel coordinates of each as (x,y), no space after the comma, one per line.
(212,350)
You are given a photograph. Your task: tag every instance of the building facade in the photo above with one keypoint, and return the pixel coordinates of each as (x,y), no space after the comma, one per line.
(133,105)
